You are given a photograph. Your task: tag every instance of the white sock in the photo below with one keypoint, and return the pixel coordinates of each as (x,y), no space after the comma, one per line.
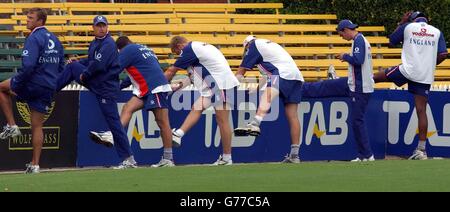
(179,132)
(168,154)
(257,120)
(131,159)
(226,157)
(422,145)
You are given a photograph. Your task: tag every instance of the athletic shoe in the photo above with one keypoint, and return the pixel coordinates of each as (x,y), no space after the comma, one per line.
(126,164)
(222,162)
(164,163)
(103,138)
(250,130)
(331,74)
(32,169)
(289,159)
(176,139)
(356,160)
(370,159)
(418,155)
(10,132)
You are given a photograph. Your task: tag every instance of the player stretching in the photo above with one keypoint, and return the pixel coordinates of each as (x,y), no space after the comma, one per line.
(214,79)
(284,79)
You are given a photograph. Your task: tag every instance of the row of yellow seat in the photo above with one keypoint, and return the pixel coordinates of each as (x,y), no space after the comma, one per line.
(234,40)
(123,8)
(188,18)
(204,28)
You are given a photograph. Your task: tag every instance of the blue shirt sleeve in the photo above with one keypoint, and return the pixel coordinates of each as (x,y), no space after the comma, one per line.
(30,57)
(359,52)
(103,57)
(442,46)
(397,36)
(187,58)
(125,83)
(252,57)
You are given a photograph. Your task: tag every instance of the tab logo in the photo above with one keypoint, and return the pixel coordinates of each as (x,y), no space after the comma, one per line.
(338,115)
(436,137)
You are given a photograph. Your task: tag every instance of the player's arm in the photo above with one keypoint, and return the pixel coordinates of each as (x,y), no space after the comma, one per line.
(170,72)
(180,84)
(186,59)
(359,53)
(30,57)
(251,58)
(125,83)
(442,50)
(100,62)
(241,73)
(398,35)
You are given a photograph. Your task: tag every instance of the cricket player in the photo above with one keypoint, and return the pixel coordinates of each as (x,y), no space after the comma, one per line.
(212,75)
(35,83)
(423,48)
(150,91)
(284,79)
(359,85)
(100,74)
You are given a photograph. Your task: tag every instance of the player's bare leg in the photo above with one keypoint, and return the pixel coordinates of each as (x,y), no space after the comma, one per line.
(133,105)
(223,121)
(421,108)
(11,129)
(380,77)
(193,117)
(37,139)
(162,119)
(252,128)
(291,111)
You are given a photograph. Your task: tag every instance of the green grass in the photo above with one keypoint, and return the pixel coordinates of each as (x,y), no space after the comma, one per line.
(432,175)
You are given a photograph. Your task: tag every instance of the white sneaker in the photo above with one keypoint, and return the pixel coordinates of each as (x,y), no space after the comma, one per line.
(370,159)
(32,169)
(176,139)
(418,155)
(222,162)
(103,138)
(289,159)
(126,164)
(331,74)
(10,132)
(249,130)
(356,160)
(164,163)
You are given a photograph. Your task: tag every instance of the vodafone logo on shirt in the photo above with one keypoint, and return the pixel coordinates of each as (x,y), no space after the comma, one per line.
(423,33)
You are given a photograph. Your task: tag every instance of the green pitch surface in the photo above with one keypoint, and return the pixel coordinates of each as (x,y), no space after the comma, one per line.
(395,175)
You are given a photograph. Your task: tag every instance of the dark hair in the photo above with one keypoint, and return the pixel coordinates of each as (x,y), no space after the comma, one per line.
(123,41)
(41,13)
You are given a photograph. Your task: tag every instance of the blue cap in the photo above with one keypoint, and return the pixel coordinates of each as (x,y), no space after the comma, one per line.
(346,24)
(100,19)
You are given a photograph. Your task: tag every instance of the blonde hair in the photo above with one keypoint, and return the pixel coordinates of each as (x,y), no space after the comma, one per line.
(175,41)
(41,13)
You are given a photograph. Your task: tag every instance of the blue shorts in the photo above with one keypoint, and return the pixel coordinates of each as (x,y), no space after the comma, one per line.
(394,75)
(156,101)
(290,90)
(37,97)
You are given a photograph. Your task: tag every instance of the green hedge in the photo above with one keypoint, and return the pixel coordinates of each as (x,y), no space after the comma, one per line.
(370,12)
